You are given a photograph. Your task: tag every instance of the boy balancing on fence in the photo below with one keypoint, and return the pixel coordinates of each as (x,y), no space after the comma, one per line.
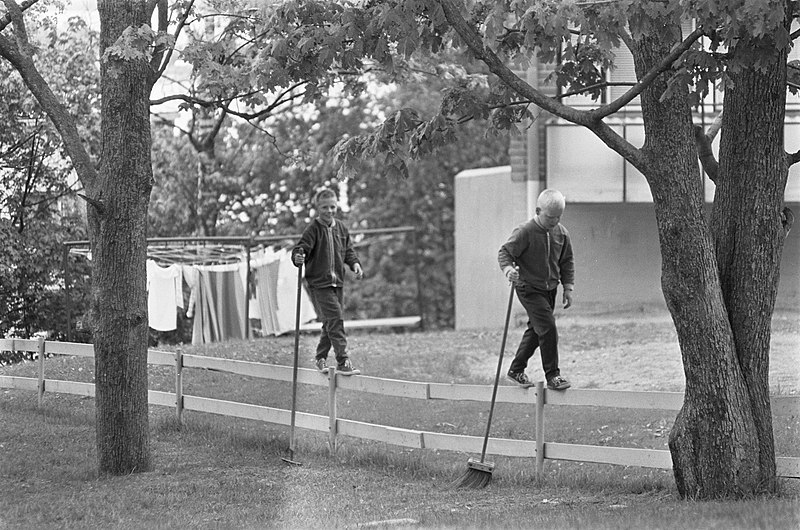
(324,248)
(535,258)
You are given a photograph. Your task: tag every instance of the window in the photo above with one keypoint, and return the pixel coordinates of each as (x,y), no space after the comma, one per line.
(584,169)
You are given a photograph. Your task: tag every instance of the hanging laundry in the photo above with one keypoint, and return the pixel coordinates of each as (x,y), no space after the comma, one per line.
(217,299)
(276,292)
(164,295)
(229,300)
(287,296)
(192,277)
(216,303)
(266,277)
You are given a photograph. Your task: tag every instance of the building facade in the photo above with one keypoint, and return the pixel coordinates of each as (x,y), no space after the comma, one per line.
(609,211)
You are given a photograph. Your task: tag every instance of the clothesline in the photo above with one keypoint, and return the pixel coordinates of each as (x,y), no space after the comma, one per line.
(220,304)
(224,251)
(196,254)
(170,251)
(186,254)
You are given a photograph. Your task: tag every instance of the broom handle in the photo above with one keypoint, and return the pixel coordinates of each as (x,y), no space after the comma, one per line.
(497,375)
(296,356)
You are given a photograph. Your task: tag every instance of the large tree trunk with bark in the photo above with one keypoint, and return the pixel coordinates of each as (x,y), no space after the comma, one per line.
(719,285)
(117,218)
(748,232)
(715,439)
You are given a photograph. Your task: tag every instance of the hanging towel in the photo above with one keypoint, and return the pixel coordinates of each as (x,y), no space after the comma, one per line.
(266,294)
(276,291)
(194,308)
(229,298)
(287,296)
(219,298)
(164,295)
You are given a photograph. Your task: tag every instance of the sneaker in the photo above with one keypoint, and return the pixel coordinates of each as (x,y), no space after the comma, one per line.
(520,378)
(322,365)
(558,383)
(346,368)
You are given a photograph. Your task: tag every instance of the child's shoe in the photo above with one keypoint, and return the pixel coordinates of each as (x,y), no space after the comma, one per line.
(520,378)
(322,365)
(558,383)
(346,368)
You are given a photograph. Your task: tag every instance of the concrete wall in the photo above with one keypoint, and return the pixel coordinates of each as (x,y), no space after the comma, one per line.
(488,206)
(618,261)
(789,288)
(617,257)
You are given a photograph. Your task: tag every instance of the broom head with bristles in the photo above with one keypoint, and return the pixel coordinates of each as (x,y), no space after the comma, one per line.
(477,476)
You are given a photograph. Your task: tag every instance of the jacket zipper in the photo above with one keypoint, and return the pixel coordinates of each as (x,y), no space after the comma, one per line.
(547,280)
(330,253)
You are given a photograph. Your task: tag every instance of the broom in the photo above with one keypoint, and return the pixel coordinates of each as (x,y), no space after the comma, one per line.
(479,472)
(290,459)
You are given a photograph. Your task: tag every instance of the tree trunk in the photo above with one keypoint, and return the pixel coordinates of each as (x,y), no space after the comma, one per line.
(748,232)
(714,439)
(117,220)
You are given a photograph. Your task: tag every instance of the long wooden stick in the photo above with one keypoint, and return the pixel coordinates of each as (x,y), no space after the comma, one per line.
(497,375)
(296,359)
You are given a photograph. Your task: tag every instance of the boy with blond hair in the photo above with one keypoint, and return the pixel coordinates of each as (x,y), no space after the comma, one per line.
(536,257)
(325,248)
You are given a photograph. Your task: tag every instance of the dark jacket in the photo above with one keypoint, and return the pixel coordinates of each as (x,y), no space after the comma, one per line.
(544,257)
(327,249)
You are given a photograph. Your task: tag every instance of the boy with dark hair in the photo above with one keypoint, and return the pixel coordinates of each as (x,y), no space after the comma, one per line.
(324,248)
(536,257)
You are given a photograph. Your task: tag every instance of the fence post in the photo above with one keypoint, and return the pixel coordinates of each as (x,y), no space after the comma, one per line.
(539,420)
(40,362)
(179,385)
(332,410)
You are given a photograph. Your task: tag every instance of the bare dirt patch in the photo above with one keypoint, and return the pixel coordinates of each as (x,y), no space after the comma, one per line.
(638,351)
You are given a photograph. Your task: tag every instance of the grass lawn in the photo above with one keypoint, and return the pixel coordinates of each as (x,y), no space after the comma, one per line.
(216,472)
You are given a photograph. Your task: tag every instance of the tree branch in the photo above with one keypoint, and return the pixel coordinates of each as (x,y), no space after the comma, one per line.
(187,98)
(58,113)
(474,42)
(715,127)
(638,88)
(787,220)
(170,123)
(704,151)
(793,158)
(245,43)
(6,19)
(591,120)
(18,24)
(705,154)
(168,56)
(19,144)
(286,97)
(199,101)
(163,24)
(98,205)
(593,87)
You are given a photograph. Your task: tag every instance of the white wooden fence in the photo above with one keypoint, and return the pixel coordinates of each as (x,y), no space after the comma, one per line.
(537,396)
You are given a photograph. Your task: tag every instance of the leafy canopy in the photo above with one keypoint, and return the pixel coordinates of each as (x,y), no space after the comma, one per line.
(321,42)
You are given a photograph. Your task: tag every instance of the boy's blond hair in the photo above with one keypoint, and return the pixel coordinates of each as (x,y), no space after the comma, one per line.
(324,193)
(551,198)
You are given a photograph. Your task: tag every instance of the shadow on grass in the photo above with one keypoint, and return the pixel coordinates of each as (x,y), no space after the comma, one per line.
(212,472)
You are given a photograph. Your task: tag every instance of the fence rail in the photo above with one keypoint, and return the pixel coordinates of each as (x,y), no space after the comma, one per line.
(537,396)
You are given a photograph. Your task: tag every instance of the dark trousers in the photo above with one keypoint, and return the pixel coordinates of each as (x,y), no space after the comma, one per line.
(541,332)
(328,302)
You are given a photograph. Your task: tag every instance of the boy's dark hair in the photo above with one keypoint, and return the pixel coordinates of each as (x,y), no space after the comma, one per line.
(324,194)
